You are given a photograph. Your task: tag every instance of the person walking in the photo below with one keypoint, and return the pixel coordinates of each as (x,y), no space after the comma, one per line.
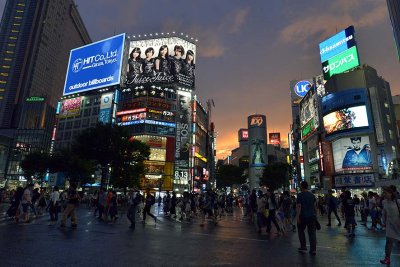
(391,218)
(306,212)
(149,201)
(332,207)
(134,200)
(54,204)
(261,203)
(73,199)
(272,207)
(349,214)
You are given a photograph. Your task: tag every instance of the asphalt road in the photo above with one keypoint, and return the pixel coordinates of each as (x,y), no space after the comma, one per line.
(233,242)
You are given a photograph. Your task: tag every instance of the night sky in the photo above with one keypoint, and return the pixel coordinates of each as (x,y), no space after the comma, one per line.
(248,51)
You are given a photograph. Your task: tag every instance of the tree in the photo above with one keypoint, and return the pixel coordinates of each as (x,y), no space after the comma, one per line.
(35,164)
(276,175)
(228,175)
(111,146)
(75,168)
(130,164)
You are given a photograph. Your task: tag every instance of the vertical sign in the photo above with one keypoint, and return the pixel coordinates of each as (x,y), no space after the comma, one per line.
(182,140)
(257,128)
(105,108)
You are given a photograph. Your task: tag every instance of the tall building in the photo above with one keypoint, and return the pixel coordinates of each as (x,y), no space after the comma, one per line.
(35,40)
(394,13)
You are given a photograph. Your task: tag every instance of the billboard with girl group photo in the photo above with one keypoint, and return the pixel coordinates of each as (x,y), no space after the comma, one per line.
(166,61)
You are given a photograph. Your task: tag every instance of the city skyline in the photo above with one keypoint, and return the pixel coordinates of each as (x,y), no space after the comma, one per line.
(268,49)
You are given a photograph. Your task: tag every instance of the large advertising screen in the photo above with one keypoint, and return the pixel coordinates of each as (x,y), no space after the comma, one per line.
(341,63)
(70,107)
(346,119)
(337,44)
(352,154)
(308,109)
(95,65)
(163,61)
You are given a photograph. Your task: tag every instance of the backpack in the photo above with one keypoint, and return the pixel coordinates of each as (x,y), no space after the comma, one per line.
(153,200)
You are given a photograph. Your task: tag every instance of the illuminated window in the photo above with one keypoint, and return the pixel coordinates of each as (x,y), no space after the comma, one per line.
(3,82)
(5,74)
(13,38)
(9,52)
(2,89)
(20,4)
(14,30)
(17,24)
(18,17)
(6,66)
(7,59)
(20,11)
(388,119)
(1,97)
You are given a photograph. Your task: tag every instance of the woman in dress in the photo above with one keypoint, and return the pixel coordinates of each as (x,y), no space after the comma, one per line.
(162,63)
(134,63)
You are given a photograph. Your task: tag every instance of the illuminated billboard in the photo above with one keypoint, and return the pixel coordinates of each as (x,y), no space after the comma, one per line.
(71,107)
(274,139)
(346,119)
(341,63)
(182,138)
(243,135)
(308,109)
(337,44)
(352,154)
(308,129)
(95,65)
(162,61)
(106,102)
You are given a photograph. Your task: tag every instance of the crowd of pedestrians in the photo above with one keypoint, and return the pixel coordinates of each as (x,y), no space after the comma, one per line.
(278,213)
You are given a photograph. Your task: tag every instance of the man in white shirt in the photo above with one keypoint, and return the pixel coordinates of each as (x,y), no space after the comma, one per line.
(54,204)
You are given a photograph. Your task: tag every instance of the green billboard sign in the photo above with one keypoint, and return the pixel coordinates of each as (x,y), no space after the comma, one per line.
(340,63)
(35,99)
(308,129)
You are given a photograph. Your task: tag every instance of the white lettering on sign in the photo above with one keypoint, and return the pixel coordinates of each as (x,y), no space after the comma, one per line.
(257,120)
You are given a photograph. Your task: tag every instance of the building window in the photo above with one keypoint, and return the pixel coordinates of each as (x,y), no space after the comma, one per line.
(386,105)
(95,111)
(67,135)
(86,112)
(85,122)
(77,124)
(68,125)
(391,134)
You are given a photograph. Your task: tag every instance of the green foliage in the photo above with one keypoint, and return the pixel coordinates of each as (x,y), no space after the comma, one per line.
(35,164)
(228,175)
(111,146)
(276,175)
(130,164)
(76,169)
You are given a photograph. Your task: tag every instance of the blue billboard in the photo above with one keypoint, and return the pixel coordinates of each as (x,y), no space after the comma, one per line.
(95,65)
(337,44)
